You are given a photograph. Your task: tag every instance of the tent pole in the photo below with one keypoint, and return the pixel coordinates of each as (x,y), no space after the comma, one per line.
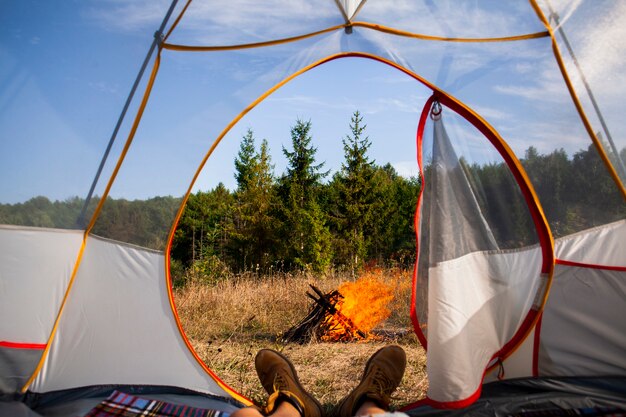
(609,138)
(158,38)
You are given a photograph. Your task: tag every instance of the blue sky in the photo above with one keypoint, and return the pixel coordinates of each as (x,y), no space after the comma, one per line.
(65,79)
(66,68)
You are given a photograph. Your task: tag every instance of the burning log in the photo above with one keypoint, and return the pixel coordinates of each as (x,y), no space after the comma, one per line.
(324,321)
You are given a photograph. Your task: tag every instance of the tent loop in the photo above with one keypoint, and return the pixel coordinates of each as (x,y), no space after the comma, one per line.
(435,111)
(501,373)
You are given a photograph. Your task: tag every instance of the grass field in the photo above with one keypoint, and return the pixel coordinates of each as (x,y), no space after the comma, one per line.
(229,322)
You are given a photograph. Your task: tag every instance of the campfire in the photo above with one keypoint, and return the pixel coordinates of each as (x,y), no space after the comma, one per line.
(347,314)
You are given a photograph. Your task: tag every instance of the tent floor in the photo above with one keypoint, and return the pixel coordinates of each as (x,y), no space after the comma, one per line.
(542,397)
(78,401)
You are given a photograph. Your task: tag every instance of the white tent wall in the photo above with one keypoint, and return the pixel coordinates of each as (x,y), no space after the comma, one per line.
(602,245)
(481,291)
(118,328)
(35,269)
(474,311)
(582,331)
(587,304)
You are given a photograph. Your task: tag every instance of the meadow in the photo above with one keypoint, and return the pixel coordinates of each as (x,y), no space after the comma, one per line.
(228,322)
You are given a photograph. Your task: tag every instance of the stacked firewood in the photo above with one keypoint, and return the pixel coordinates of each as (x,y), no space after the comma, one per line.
(325,322)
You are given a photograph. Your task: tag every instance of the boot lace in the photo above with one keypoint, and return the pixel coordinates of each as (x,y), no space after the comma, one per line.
(382,386)
(280,382)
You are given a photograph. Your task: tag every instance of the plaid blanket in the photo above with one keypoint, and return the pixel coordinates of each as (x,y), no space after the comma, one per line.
(120,404)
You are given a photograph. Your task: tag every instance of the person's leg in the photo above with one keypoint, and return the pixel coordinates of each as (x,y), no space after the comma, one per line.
(284,409)
(247,412)
(369,408)
(382,375)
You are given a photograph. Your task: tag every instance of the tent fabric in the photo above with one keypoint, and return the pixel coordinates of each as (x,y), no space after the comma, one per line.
(460,227)
(479,296)
(16,366)
(110,300)
(603,245)
(585,304)
(542,396)
(42,282)
(35,270)
(119,312)
(78,402)
(476,305)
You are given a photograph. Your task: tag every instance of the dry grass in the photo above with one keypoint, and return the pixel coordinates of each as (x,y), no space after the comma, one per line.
(229,322)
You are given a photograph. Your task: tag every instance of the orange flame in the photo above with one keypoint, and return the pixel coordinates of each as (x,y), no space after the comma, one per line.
(365,305)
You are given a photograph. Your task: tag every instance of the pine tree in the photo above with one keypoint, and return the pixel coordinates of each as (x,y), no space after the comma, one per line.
(306,238)
(356,194)
(303,175)
(245,160)
(254,228)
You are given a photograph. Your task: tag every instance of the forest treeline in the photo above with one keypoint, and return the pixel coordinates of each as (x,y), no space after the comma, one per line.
(301,219)
(307,219)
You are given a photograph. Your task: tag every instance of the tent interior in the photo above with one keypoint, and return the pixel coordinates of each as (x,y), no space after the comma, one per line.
(509,113)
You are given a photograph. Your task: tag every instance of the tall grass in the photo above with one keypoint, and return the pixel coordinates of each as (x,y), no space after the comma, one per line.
(229,321)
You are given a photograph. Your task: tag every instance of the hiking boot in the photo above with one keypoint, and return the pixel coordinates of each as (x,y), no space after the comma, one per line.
(279,378)
(382,375)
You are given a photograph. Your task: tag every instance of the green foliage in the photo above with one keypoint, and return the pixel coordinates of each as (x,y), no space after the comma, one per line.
(358,191)
(246,161)
(205,227)
(254,228)
(392,236)
(302,170)
(304,232)
(364,214)
(142,222)
(314,238)
(575,193)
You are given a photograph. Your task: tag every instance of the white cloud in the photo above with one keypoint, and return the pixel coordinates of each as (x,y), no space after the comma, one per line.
(104,87)
(235,21)
(548,87)
(452,18)
(491,113)
(128,16)
(412,105)
(602,53)
(406,169)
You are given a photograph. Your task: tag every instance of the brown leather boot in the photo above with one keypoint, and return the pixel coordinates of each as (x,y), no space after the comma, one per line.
(382,375)
(279,378)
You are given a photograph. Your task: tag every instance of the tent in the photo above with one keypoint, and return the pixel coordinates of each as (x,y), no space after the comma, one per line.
(515,292)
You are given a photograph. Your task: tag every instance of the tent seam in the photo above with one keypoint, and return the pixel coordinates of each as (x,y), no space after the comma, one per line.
(366,25)
(581,112)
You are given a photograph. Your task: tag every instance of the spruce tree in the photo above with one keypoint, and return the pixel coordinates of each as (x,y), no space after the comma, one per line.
(254,227)
(306,238)
(356,194)
(245,160)
(303,175)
